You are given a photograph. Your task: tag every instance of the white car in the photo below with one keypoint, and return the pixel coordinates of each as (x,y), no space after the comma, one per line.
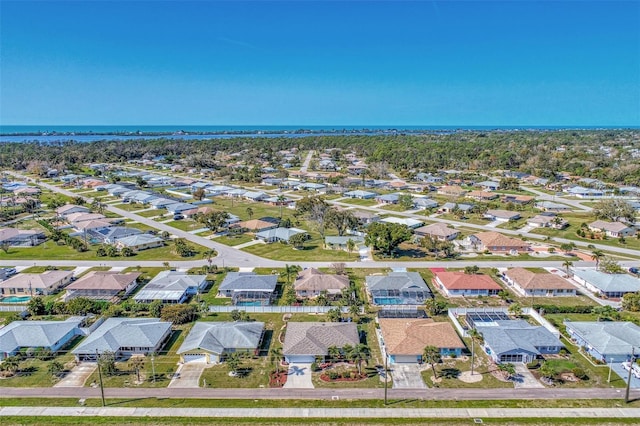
(635,369)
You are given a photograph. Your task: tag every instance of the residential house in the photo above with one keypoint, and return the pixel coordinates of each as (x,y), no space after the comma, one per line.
(310,186)
(68,209)
(171,287)
(396,185)
(612,229)
(423,203)
(210,342)
(581,192)
(254,195)
(49,335)
(342,243)
(550,206)
(312,283)
(456,284)
(124,337)
(103,285)
(407,221)
(547,221)
(161,203)
(77,218)
(139,242)
(501,215)
(112,234)
(438,231)
(481,195)
(304,341)
(398,288)
(404,339)
(606,341)
(517,199)
(248,288)
(451,207)
(388,198)
(607,285)
(517,341)
(428,178)
(489,185)
(542,284)
(179,207)
(256,225)
(45,283)
(365,217)
(451,191)
(21,237)
(497,243)
(278,234)
(360,194)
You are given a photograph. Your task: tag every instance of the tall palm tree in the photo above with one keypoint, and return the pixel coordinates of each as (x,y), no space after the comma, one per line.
(359,353)
(475,335)
(280,200)
(431,355)
(567,265)
(333,352)
(596,255)
(249,212)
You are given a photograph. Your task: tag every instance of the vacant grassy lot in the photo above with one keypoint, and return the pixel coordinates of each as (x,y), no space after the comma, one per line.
(312,250)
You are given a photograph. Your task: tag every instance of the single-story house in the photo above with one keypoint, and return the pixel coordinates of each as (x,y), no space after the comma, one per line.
(45,283)
(256,225)
(113,233)
(545,221)
(310,186)
(304,341)
(481,195)
(365,217)
(517,199)
(68,209)
(51,335)
(341,243)
(93,225)
(388,198)
(124,337)
(140,242)
(21,237)
(176,208)
(450,207)
(608,285)
(363,195)
(438,231)
(161,203)
(254,195)
(398,288)
(517,341)
(423,203)
(501,215)
(404,339)
(497,243)
(581,192)
(311,283)
(76,218)
(605,340)
(171,287)
(451,191)
(489,185)
(543,284)
(248,288)
(103,285)
(612,229)
(209,342)
(550,206)
(455,284)
(407,221)
(278,234)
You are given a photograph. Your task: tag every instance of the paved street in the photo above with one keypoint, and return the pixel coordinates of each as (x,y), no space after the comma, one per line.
(326,413)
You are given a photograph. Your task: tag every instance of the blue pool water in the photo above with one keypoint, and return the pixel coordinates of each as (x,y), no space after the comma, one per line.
(388,300)
(15,299)
(249,303)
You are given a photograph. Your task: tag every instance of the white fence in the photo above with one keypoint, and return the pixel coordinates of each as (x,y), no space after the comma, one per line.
(13,308)
(278,309)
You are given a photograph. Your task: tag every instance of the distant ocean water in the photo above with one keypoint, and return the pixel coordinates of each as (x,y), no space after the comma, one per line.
(90,133)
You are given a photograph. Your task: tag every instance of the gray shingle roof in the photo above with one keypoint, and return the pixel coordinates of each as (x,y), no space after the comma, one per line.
(610,338)
(314,338)
(216,337)
(35,334)
(517,335)
(609,282)
(239,281)
(116,333)
(396,281)
(169,285)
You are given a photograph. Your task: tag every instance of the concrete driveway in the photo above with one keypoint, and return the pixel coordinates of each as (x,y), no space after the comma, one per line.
(407,376)
(188,375)
(299,377)
(78,375)
(523,378)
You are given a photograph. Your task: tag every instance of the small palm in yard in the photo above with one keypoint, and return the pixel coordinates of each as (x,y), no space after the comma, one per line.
(508,369)
(55,368)
(547,371)
(136,364)
(431,355)
(233,362)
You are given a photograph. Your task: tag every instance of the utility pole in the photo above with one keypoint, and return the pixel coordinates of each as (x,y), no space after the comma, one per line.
(386,376)
(631,361)
(610,363)
(153,367)
(473,353)
(100,377)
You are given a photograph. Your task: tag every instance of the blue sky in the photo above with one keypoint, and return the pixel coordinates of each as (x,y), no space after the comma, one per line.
(302,62)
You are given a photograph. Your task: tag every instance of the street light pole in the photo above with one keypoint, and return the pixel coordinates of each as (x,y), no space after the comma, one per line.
(610,362)
(631,361)
(100,377)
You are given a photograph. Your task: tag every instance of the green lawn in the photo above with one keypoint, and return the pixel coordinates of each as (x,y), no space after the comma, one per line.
(41,269)
(151,213)
(33,373)
(483,367)
(312,250)
(359,202)
(254,373)
(186,224)
(234,240)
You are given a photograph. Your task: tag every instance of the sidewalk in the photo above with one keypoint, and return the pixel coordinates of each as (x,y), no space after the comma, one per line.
(325,413)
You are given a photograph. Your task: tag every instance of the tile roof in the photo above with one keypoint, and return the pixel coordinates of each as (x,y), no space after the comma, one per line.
(495,239)
(516,335)
(36,281)
(530,280)
(462,281)
(314,338)
(396,281)
(313,280)
(104,280)
(404,336)
(437,230)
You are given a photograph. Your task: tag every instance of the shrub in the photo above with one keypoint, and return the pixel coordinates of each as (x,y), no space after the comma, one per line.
(580,373)
(333,375)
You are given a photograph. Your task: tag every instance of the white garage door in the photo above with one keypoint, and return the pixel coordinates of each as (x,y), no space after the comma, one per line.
(195,358)
(405,359)
(300,359)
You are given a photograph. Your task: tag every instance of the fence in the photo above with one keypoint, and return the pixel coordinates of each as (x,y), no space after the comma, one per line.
(278,309)
(13,308)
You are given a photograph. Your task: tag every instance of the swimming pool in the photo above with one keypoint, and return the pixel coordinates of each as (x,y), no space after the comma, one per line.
(249,303)
(388,300)
(15,299)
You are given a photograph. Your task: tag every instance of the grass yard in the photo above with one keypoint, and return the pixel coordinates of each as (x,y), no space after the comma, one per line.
(358,202)
(41,269)
(151,213)
(312,251)
(34,373)
(234,240)
(253,373)
(186,224)
(449,370)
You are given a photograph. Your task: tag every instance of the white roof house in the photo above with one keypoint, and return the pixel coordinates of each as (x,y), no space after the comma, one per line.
(171,287)
(411,223)
(51,335)
(124,337)
(278,234)
(609,285)
(605,340)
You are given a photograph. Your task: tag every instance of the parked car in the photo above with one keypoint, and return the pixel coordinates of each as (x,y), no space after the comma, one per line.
(634,270)
(178,216)
(635,368)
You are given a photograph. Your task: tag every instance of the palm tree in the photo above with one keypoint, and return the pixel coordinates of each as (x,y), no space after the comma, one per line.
(475,335)
(136,363)
(249,212)
(507,368)
(516,309)
(233,361)
(596,255)
(276,356)
(280,200)
(55,368)
(431,355)
(567,265)
(10,364)
(351,245)
(359,353)
(333,353)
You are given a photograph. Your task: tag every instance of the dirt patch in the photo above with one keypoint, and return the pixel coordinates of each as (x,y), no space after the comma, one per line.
(466,377)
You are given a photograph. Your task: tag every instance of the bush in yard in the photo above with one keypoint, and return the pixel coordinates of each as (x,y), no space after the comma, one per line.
(580,373)
(179,314)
